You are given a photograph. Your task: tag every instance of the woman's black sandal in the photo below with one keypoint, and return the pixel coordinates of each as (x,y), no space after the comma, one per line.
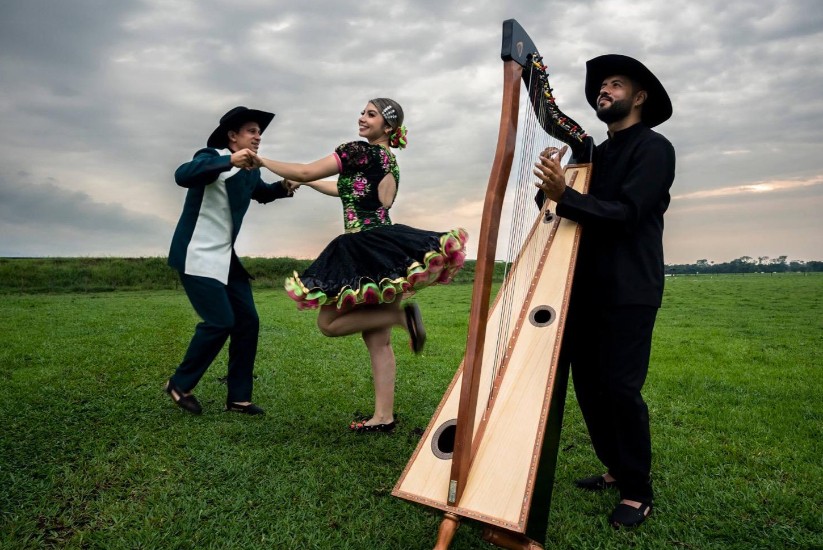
(185,402)
(414,322)
(360,427)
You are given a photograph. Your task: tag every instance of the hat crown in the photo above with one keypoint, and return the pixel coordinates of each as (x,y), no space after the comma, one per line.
(657,108)
(232,113)
(219,138)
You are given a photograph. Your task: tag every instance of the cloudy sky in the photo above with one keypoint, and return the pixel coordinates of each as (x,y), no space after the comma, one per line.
(100,101)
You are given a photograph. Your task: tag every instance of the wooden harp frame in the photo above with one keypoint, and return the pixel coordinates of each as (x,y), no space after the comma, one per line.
(472,424)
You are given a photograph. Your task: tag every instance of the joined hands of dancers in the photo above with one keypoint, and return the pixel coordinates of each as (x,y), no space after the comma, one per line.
(246,159)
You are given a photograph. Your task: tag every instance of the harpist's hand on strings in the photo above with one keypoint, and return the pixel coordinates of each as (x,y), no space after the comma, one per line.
(550,172)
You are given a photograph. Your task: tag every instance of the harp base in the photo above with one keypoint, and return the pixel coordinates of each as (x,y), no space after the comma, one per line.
(497,536)
(510,540)
(445,534)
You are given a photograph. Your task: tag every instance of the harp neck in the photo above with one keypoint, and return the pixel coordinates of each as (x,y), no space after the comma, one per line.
(519,48)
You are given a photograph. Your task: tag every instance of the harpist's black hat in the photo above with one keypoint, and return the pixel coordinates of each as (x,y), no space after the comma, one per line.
(657,108)
(238,116)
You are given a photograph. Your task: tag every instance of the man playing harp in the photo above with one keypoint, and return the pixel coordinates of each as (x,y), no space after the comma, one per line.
(618,280)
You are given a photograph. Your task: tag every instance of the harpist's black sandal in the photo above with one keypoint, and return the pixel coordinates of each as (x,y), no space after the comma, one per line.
(414,322)
(595,483)
(626,515)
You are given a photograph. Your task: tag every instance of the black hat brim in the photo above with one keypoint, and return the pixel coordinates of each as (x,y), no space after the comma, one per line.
(219,138)
(657,107)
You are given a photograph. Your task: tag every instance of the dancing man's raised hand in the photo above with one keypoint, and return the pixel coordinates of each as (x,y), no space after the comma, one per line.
(245,159)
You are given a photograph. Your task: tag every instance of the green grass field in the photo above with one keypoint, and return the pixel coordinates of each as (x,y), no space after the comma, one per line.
(93,454)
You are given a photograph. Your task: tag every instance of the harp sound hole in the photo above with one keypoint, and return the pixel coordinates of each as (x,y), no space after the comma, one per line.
(443,440)
(548,216)
(542,316)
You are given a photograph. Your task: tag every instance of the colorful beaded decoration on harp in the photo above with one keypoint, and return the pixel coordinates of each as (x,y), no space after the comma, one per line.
(571,130)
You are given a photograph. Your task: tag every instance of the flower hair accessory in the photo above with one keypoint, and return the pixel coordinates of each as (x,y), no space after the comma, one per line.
(389,113)
(398,138)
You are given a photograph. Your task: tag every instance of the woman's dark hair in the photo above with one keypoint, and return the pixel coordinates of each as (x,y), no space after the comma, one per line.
(391,110)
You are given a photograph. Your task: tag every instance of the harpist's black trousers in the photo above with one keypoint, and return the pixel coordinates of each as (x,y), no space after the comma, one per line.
(609,349)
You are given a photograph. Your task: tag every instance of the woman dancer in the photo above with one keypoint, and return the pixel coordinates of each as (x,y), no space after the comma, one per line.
(360,278)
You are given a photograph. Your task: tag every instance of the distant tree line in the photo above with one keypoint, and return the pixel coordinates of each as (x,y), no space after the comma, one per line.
(746,264)
(36,275)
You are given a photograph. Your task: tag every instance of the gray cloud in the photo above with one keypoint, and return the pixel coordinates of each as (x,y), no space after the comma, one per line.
(59,222)
(101,101)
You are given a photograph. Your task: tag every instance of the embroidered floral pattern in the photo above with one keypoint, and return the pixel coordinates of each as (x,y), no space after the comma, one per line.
(363,168)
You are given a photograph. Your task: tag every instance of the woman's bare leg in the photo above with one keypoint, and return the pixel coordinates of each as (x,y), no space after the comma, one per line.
(375,324)
(333,322)
(383,368)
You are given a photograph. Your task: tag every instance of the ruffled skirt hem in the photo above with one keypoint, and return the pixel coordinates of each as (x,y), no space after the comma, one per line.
(348,274)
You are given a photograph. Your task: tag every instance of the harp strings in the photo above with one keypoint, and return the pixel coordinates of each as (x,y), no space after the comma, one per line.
(532,140)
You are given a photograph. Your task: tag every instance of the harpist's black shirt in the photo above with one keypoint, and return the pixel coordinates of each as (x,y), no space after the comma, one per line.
(620,259)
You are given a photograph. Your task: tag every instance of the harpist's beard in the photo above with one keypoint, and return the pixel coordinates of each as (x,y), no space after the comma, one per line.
(618,110)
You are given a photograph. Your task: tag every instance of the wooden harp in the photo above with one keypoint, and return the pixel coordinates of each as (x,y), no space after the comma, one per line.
(489,451)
